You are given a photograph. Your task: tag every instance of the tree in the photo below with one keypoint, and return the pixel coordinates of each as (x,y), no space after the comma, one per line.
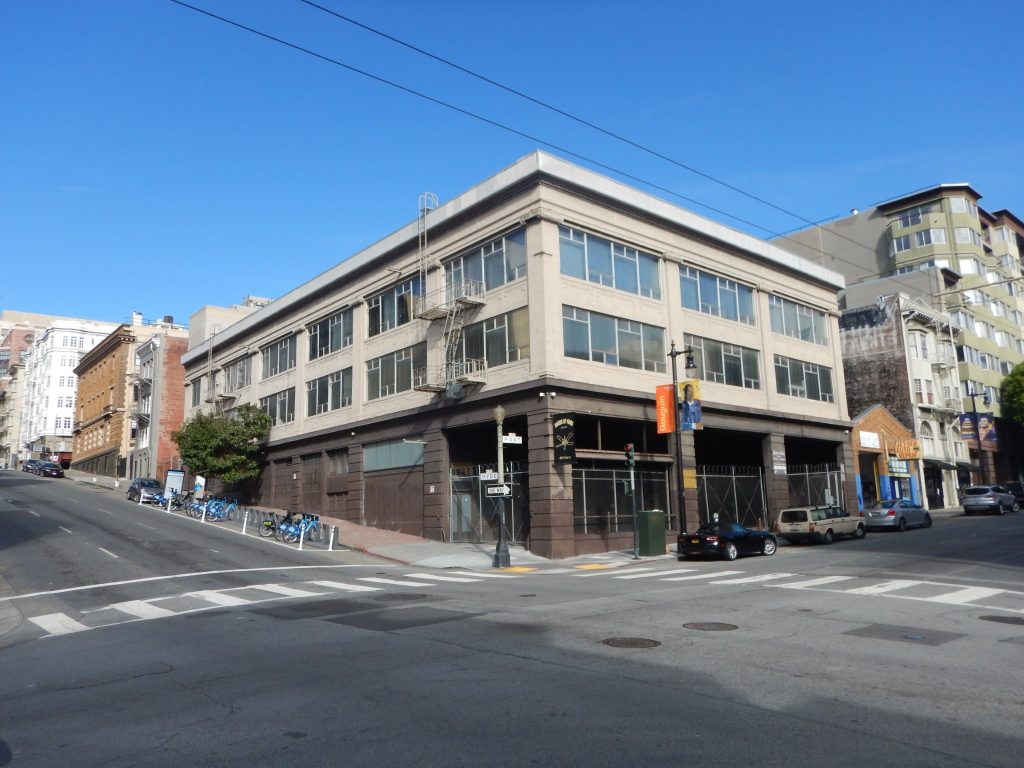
(224,446)
(1013,395)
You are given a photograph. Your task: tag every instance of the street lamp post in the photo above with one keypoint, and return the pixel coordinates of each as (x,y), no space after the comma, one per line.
(502,558)
(986,400)
(689,366)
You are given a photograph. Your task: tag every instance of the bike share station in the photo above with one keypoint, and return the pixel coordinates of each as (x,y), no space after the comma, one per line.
(268,524)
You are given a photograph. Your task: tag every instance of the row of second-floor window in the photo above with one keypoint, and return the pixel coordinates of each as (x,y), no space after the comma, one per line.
(983,360)
(62,422)
(329,393)
(612,340)
(237,375)
(498,340)
(920,343)
(935,236)
(330,334)
(279,356)
(925,393)
(605,262)
(395,306)
(393,372)
(280,406)
(981,392)
(724,363)
(714,295)
(493,264)
(799,378)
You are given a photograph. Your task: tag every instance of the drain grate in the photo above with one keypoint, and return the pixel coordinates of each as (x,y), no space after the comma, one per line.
(710,626)
(630,642)
(1017,620)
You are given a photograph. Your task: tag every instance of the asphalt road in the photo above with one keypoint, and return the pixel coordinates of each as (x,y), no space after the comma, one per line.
(874,651)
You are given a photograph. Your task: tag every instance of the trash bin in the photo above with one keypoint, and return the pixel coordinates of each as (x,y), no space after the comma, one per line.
(651,532)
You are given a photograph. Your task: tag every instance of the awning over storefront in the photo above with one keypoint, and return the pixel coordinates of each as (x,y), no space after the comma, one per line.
(940,464)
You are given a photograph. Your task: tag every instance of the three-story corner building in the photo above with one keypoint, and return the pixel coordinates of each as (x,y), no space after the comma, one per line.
(942,229)
(555,293)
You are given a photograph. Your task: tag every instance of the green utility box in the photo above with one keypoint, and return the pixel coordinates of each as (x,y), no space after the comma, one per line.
(651,532)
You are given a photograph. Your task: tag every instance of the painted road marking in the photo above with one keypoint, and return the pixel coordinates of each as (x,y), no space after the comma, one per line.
(57,624)
(961,596)
(635,575)
(281,589)
(435,577)
(376,580)
(347,587)
(885,586)
(714,575)
(484,574)
(66,530)
(101,549)
(217,598)
(140,609)
(755,579)
(612,572)
(813,582)
(34,513)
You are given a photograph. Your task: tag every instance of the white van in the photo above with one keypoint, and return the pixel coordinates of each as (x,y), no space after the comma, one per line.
(821,523)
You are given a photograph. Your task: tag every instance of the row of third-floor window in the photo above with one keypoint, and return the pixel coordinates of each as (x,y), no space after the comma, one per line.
(589,257)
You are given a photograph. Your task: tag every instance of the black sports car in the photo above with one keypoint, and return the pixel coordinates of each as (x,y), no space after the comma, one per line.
(726,540)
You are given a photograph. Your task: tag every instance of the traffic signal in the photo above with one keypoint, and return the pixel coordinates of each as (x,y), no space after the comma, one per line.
(630,455)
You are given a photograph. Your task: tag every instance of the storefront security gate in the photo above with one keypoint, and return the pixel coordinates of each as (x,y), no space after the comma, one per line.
(731,494)
(475,516)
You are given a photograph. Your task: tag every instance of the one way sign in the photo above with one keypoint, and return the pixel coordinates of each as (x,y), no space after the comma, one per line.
(498,490)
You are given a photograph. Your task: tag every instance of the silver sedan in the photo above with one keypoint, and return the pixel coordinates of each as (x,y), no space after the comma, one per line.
(896,514)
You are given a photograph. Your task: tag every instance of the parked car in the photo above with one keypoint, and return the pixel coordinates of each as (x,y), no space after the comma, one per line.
(896,514)
(819,523)
(147,487)
(1017,489)
(725,540)
(988,498)
(30,465)
(49,469)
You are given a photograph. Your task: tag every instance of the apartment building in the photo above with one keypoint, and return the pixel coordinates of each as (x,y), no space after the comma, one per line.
(48,396)
(158,402)
(107,409)
(554,293)
(943,228)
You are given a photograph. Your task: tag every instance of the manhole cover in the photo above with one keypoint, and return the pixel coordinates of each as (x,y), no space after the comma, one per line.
(398,597)
(630,642)
(710,626)
(1019,620)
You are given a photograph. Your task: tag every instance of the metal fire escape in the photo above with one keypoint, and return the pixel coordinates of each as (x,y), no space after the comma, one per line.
(450,302)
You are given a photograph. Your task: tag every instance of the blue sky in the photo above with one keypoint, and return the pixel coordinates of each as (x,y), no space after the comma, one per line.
(156,159)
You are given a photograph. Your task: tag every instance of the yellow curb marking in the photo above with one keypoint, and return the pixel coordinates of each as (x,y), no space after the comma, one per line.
(519,569)
(591,567)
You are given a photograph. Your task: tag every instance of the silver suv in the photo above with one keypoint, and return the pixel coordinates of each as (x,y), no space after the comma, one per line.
(988,498)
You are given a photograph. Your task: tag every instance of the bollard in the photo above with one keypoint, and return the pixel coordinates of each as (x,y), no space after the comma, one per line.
(204,512)
(302,535)
(169,498)
(330,541)
(245,521)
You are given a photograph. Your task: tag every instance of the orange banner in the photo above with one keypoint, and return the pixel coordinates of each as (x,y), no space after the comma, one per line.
(665,406)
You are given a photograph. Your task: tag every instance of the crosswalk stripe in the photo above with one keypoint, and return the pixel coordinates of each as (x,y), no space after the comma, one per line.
(755,579)
(635,575)
(140,609)
(614,573)
(436,577)
(484,574)
(346,587)
(813,582)
(376,580)
(965,595)
(57,623)
(885,586)
(714,575)
(218,598)
(281,589)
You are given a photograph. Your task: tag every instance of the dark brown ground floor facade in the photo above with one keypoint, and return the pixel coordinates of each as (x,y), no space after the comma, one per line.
(426,472)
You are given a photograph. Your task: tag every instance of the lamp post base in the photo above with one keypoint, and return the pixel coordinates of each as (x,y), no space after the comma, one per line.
(502,558)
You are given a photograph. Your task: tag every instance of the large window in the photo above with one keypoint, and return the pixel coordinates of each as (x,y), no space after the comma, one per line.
(930,237)
(237,375)
(799,379)
(498,340)
(798,320)
(329,393)
(388,374)
(330,334)
(602,261)
(278,357)
(390,454)
(725,363)
(280,406)
(394,307)
(901,244)
(498,262)
(612,340)
(718,296)
(197,392)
